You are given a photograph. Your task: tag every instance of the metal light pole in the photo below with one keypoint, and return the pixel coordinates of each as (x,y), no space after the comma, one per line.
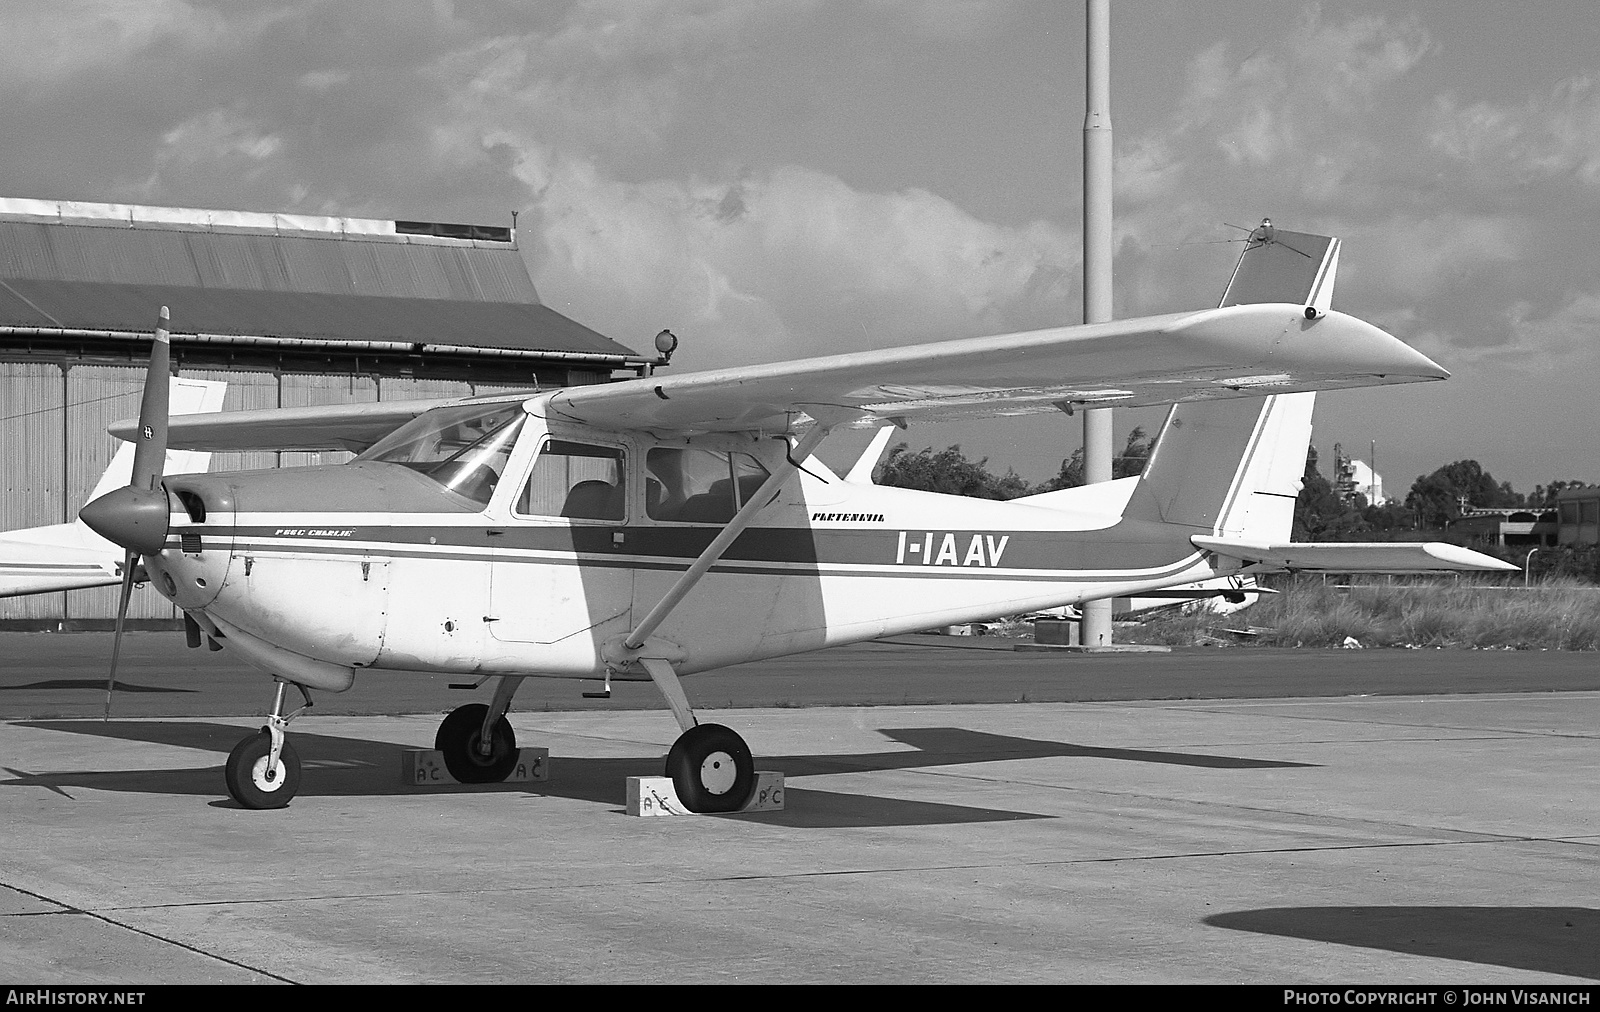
(1097,443)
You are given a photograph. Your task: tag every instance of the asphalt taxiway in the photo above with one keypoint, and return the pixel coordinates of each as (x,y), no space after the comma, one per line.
(1408,831)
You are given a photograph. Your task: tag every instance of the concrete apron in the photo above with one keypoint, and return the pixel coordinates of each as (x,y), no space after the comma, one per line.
(1383,839)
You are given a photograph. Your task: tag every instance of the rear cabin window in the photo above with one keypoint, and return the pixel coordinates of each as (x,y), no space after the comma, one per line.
(699,486)
(580,481)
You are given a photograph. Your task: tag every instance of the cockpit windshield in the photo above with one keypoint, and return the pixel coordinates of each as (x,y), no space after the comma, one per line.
(463,448)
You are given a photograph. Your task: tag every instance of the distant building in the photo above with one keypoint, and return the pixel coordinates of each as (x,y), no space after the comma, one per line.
(290,310)
(1368,482)
(1579,510)
(1353,477)
(1528,527)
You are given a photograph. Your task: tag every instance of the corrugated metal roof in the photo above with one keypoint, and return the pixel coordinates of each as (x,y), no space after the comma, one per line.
(269,263)
(192,219)
(91,306)
(106,276)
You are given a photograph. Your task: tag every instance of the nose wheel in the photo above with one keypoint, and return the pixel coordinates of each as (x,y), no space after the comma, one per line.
(263,770)
(711,769)
(255,780)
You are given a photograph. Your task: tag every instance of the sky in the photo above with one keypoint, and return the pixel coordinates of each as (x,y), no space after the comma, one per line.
(786,178)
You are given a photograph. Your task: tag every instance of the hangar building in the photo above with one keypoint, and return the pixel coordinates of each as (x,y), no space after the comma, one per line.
(290,310)
(1580,516)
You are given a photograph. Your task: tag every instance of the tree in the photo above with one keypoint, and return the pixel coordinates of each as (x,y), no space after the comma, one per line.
(1545,495)
(1320,514)
(1437,497)
(948,472)
(1391,516)
(1131,461)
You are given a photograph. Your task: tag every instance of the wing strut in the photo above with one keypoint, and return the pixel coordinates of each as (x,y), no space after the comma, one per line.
(720,543)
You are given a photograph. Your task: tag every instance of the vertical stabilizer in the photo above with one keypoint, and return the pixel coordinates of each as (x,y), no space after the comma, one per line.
(1233,467)
(1282,266)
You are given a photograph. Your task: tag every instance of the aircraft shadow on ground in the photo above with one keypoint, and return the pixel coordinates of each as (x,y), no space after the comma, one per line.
(95,684)
(1557,940)
(340,766)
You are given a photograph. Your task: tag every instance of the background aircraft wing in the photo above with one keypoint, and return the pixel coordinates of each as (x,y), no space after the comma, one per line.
(1235,351)
(56,557)
(324,427)
(1352,557)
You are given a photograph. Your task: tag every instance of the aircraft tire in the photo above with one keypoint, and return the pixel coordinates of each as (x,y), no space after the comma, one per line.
(711,769)
(247,775)
(458,739)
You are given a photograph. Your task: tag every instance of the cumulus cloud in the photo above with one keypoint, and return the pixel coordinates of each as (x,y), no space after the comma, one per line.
(578,115)
(745,263)
(787,262)
(1294,107)
(1551,341)
(52,43)
(1420,257)
(957,19)
(1305,128)
(219,135)
(1549,137)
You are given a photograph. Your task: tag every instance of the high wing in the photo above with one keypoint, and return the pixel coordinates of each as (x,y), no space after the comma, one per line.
(1352,557)
(1236,351)
(323,427)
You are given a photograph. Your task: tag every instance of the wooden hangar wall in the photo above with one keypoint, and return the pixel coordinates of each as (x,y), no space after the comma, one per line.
(63,382)
(54,447)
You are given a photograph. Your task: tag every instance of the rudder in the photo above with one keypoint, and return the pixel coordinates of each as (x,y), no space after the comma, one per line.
(1234,467)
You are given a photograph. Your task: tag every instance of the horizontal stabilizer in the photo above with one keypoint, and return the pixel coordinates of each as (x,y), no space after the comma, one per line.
(1363,557)
(1184,593)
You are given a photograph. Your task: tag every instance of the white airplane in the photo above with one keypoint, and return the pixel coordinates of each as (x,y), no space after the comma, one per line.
(39,560)
(657,527)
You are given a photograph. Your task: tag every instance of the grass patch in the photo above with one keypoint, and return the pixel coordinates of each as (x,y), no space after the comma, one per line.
(1311,612)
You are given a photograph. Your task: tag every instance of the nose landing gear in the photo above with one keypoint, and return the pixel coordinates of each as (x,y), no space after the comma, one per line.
(263,770)
(257,781)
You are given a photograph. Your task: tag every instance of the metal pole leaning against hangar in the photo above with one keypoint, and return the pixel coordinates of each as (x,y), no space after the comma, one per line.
(1095,627)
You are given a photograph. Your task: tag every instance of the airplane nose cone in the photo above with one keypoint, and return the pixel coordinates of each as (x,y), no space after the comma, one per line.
(132,518)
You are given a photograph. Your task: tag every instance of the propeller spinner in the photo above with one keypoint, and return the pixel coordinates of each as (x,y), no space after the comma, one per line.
(135,517)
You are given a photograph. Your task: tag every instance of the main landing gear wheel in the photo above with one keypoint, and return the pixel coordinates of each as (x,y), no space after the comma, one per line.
(252,783)
(458,739)
(711,769)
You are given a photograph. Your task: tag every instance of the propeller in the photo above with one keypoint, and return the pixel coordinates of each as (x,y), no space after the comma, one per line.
(135,517)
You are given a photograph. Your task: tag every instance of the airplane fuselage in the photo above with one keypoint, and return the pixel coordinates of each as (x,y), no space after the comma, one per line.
(390,571)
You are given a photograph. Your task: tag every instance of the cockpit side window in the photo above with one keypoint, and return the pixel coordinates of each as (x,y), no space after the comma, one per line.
(580,481)
(699,486)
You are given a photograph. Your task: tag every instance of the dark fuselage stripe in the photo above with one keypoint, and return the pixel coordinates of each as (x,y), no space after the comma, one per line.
(980,555)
